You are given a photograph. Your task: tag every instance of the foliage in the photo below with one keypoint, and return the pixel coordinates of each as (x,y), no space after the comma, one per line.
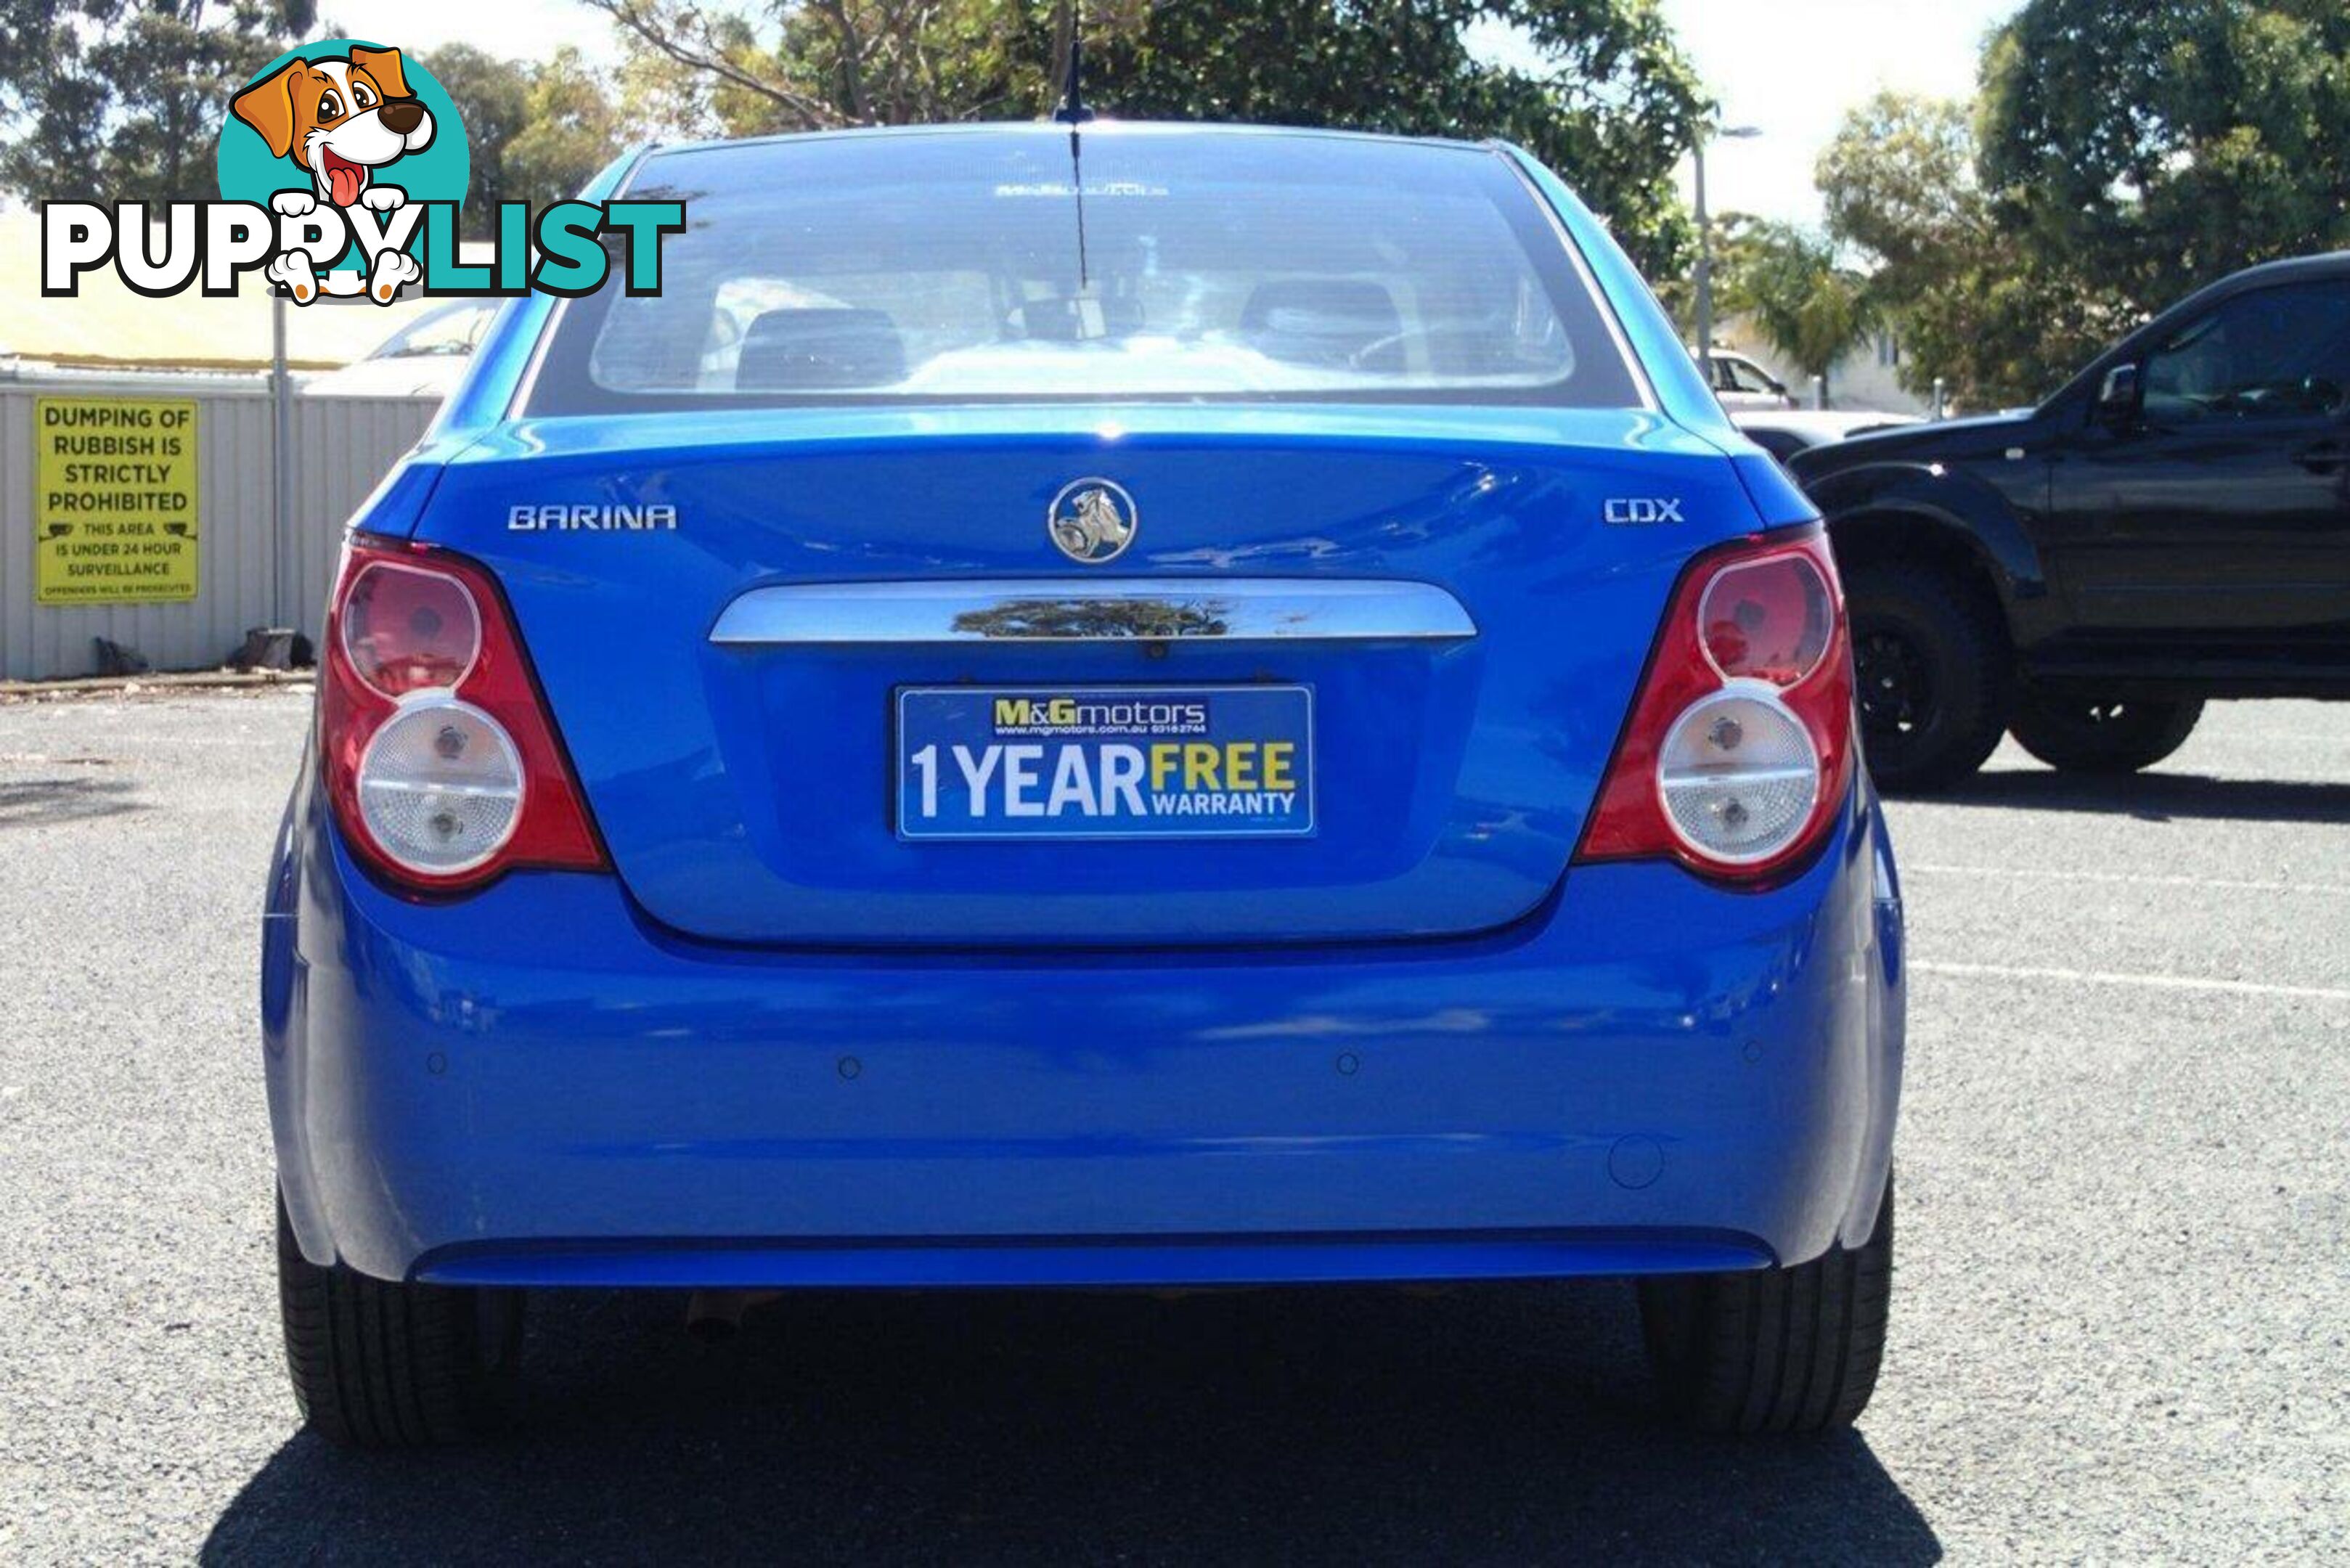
(81,90)
(537,132)
(127,97)
(2153,148)
(1899,183)
(570,130)
(1975,304)
(1597,89)
(815,65)
(1735,235)
(1788,284)
(493,98)
(2120,158)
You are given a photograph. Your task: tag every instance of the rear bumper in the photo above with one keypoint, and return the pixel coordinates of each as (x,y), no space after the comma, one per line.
(537,1085)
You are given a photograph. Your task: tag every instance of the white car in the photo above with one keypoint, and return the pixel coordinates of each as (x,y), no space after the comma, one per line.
(427,357)
(1783,433)
(1740,383)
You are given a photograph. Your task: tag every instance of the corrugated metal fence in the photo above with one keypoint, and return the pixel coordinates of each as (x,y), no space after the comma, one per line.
(245,576)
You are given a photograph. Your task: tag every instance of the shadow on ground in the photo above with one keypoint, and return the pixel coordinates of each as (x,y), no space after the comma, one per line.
(47,802)
(2155,797)
(1495,1424)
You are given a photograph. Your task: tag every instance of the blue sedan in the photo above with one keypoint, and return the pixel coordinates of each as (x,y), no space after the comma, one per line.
(1229,713)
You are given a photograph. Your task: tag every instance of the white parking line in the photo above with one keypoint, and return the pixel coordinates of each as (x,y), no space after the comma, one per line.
(2150,981)
(2129,879)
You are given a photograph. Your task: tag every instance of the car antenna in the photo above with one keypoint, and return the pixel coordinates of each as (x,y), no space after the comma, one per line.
(1074,113)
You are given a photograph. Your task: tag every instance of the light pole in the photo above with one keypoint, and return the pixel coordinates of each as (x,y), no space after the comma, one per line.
(1705,246)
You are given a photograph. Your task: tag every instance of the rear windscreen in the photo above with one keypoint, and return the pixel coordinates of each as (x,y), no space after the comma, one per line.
(1193,264)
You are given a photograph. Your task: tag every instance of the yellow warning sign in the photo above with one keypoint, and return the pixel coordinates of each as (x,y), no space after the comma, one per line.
(114,501)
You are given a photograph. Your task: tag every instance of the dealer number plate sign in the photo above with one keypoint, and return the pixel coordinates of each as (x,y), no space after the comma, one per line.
(1116,762)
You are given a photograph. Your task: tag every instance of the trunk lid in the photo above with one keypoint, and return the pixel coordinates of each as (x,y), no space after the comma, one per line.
(748,790)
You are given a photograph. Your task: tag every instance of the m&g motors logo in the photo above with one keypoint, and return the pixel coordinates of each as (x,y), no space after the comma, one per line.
(341,169)
(1051,714)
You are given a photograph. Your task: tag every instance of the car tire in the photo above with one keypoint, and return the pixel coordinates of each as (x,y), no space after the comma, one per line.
(1790,1350)
(1931,666)
(2079,734)
(377,1365)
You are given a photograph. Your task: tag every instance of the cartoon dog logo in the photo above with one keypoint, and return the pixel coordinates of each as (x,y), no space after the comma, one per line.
(340,119)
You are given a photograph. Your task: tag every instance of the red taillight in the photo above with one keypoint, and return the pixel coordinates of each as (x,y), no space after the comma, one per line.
(407,629)
(1738,747)
(440,762)
(1768,619)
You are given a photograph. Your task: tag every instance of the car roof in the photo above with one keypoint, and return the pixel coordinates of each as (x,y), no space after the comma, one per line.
(2323,266)
(2291,269)
(2264,275)
(1057,130)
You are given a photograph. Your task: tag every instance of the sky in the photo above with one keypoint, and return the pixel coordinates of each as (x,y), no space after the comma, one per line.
(1789,68)
(1792,68)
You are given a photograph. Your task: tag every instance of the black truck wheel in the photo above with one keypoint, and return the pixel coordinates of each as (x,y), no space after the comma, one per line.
(1778,1350)
(2078,733)
(381,1366)
(1930,665)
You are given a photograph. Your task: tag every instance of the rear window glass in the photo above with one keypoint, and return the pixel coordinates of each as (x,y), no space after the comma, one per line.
(965,267)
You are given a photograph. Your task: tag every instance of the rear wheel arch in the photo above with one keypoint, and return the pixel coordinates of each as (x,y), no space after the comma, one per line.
(1937,508)
(1934,646)
(1794,1350)
(381,1364)
(1889,539)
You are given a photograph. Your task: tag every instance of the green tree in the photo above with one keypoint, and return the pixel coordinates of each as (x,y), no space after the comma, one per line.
(570,130)
(1975,302)
(814,65)
(1735,235)
(127,97)
(1898,182)
(2120,157)
(536,132)
(492,97)
(2154,147)
(1787,282)
(1597,89)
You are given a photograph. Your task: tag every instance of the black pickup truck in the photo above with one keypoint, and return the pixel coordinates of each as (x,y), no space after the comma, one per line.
(2172,527)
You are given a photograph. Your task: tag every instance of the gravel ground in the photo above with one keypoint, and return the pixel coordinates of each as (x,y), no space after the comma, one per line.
(2119,1327)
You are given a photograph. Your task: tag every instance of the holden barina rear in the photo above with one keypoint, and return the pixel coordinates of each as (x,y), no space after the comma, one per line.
(1226,712)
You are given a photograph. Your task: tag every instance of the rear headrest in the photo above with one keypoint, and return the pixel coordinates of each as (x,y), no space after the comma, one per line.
(804,350)
(1323,321)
